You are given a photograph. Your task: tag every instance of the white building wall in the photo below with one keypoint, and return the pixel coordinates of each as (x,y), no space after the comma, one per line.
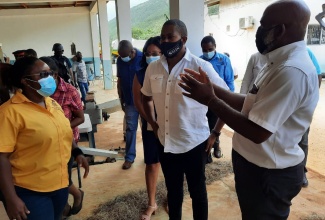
(41,28)
(241,43)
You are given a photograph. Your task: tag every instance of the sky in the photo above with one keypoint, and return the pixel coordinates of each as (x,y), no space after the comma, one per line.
(111,7)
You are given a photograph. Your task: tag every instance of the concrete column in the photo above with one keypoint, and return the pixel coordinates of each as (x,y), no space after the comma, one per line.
(123,20)
(191,12)
(104,39)
(95,42)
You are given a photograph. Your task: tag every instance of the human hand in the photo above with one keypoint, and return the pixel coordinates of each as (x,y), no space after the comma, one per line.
(16,209)
(212,138)
(198,86)
(155,128)
(83,162)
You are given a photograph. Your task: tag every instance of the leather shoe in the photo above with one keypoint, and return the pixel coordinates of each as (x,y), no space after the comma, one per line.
(127,165)
(305,181)
(216,149)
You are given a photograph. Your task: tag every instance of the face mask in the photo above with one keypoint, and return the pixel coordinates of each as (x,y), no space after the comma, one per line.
(48,86)
(152,58)
(264,39)
(126,59)
(171,49)
(209,55)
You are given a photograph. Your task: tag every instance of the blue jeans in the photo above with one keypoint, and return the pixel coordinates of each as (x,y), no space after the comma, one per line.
(83,89)
(131,118)
(43,205)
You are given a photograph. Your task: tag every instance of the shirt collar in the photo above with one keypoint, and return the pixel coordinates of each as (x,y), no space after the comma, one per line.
(282,53)
(19,98)
(187,56)
(62,86)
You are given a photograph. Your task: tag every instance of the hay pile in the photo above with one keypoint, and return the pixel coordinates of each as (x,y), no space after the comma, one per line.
(131,205)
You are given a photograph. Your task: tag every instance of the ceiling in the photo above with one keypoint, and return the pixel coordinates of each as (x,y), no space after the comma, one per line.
(43,4)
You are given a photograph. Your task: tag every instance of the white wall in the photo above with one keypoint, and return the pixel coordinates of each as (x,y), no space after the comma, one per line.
(241,43)
(41,28)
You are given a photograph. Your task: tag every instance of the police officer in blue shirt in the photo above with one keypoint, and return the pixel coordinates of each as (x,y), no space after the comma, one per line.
(221,64)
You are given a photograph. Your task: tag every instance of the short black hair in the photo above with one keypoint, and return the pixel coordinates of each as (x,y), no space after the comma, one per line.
(30,53)
(124,45)
(180,26)
(51,63)
(227,54)
(20,68)
(208,39)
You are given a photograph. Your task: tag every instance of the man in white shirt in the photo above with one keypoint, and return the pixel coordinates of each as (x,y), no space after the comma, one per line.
(79,67)
(270,120)
(181,124)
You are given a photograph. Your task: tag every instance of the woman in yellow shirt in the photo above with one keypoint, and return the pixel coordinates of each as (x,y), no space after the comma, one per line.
(35,145)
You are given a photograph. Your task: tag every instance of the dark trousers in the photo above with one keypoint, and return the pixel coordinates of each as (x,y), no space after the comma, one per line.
(192,164)
(304,146)
(265,194)
(43,205)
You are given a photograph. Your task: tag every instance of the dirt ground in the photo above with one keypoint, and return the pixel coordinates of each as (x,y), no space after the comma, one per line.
(107,181)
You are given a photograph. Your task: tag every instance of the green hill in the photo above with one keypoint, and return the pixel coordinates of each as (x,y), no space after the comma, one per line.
(146,19)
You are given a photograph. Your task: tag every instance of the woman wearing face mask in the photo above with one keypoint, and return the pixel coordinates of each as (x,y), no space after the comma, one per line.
(35,145)
(152,52)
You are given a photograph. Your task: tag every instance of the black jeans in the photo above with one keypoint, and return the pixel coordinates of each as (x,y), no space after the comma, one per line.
(192,164)
(304,146)
(265,193)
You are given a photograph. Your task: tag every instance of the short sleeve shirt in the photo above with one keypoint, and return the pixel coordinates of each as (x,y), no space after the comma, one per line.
(39,142)
(126,72)
(182,121)
(284,105)
(81,70)
(69,99)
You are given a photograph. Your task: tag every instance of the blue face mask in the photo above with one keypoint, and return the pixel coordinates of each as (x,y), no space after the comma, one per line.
(209,55)
(152,58)
(126,59)
(48,86)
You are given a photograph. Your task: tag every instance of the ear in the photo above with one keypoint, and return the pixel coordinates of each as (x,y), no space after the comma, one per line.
(281,31)
(184,40)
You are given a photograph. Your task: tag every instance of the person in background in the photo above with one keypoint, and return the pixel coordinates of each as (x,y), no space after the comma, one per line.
(79,67)
(222,65)
(64,64)
(35,145)
(268,123)
(181,124)
(30,53)
(69,99)
(152,53)
(4,89)
(19,54)
(234,68)
(127,64)
(254,66)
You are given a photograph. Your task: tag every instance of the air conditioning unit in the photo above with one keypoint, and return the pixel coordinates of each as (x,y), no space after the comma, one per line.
(247,22)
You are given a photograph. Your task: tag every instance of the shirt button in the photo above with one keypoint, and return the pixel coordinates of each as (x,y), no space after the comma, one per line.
(167,93)
(166,106)
(166,133)
(169,80)
(166,120)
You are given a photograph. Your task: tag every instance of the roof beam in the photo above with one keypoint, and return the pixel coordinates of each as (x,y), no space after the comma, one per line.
(24,5)
(36,1)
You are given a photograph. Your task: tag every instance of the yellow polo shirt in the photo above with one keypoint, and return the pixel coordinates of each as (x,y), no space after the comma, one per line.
(39,141)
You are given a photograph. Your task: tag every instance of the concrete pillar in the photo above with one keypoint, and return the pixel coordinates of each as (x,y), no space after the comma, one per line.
(104,39)
(95,42)
(191,12)
(123,20)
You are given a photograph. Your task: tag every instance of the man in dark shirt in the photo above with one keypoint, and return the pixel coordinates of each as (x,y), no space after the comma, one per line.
(64,64)
(127,64)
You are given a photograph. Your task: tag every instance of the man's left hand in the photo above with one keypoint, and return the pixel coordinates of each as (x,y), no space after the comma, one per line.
(83,162)
(197,85)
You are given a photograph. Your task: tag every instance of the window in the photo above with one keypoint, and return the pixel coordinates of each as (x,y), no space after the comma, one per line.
(315,35)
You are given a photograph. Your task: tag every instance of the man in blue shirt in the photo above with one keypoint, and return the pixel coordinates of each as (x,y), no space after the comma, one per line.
(127,64)
(221,64)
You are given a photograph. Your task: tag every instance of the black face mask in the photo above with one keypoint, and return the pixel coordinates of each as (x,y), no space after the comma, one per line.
(171,49)
(260,37)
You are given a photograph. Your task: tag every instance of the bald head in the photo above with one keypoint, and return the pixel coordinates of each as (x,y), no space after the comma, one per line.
(124,48)
(292,15)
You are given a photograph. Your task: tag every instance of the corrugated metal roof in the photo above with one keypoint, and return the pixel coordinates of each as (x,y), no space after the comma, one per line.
(61,4)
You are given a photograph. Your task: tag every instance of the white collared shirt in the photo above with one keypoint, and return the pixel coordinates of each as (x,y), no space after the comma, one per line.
(285,103)
(182,121)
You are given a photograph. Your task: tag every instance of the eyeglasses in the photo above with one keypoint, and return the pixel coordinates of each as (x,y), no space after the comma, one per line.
(154,54)
(43,74)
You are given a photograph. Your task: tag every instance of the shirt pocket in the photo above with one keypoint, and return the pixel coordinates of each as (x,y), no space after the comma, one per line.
(178,89)
(156,83)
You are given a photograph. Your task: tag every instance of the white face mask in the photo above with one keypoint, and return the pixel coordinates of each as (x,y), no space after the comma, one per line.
(126,59)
